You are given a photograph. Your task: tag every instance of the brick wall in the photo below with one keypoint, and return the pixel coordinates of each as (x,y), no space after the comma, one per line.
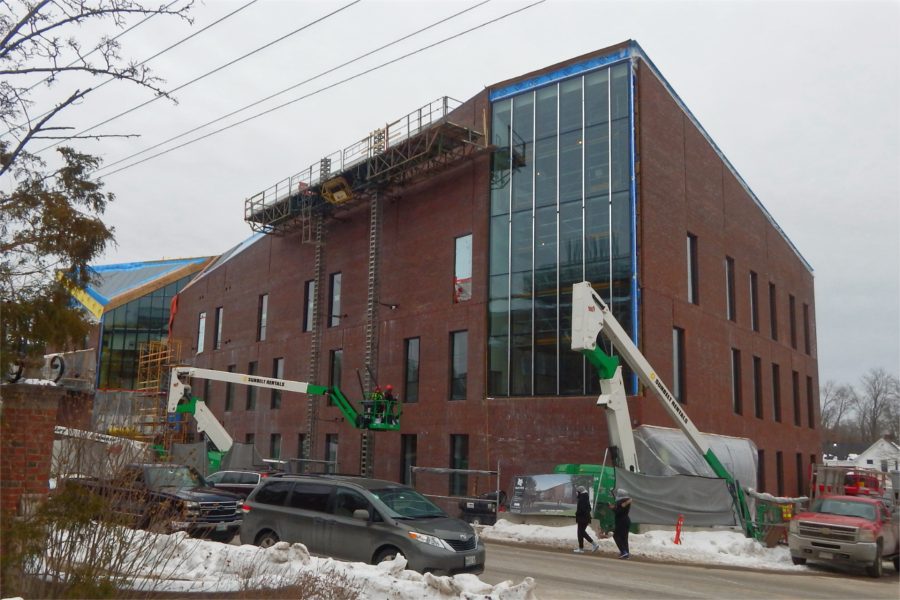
(27,418)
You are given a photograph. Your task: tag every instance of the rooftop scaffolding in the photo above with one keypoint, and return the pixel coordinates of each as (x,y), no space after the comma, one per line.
(422,142)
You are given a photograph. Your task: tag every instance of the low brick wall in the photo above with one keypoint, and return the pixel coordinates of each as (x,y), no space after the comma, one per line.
(27,418)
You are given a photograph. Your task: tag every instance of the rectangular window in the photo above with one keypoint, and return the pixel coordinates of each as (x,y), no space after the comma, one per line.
(408,442)
(736,401)
(309,293)
(792,315)
(217,339)
(693,273)
(411,375)
(810,404)
(277,373)
(229,391)
(459,364)
(776,392)
(730,308)
(761,471)
(462,272)
(757,387)
(754,301)
(201,332)
(459,459)
(334,301)
(335,370)
(795,386)
(807,345)
(678,369)
(206,392)
(262,317)
(275,446)
(331,452)
(250,438)
(779,472)
(800,477)
(251,390)
(773,311)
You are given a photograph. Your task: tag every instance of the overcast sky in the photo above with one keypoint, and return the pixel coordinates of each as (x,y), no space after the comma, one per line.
(802,97)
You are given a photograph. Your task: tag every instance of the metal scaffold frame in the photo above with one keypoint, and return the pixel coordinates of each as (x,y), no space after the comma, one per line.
(155,360)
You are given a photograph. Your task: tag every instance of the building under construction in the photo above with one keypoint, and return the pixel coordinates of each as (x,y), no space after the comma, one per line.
(438,255)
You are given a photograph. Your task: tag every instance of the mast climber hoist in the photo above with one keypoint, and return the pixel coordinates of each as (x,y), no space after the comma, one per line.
(590,317)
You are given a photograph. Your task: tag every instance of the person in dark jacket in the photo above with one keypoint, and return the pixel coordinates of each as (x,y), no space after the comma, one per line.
(620,534)
(583,519)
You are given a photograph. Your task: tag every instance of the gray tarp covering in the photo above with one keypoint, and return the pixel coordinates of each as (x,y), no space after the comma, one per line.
(659,500)
(92,454)
(665,451)
(192,455)
(242,456)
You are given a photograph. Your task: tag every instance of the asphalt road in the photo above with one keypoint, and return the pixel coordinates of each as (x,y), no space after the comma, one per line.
(562,575)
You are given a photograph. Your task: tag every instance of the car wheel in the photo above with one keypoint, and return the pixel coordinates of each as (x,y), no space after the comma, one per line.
(266,539)
(897,563)
(798,560)
(389,553)
(876,569)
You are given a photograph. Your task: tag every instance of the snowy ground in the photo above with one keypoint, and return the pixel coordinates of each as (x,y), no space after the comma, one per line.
(724,547)
(183,564)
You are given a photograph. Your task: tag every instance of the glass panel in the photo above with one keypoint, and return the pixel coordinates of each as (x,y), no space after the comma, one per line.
(545,147)
(498,348)
(570,105)
(501,161)
(619,90)
(499,244)
(523,145)
(545,332)
(545,239)
(520,242)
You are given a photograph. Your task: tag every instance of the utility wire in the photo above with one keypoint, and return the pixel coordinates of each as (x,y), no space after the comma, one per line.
(205,75)
(74,62)
(328,87)
(296,85)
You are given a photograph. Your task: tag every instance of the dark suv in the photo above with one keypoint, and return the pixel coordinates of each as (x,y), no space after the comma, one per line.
(359,519)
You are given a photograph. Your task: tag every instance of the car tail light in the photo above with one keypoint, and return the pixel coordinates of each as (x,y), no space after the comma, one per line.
(261,475)
(245,508)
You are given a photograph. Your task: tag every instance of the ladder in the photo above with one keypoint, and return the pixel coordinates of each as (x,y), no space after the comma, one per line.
(367,442)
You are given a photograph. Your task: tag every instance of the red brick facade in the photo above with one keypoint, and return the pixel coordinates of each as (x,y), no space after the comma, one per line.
(683,186)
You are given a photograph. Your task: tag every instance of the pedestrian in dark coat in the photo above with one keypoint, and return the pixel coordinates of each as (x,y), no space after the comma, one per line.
(583,519)
(620,534)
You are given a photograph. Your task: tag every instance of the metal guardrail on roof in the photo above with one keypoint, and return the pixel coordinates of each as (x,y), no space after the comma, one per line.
(376,142)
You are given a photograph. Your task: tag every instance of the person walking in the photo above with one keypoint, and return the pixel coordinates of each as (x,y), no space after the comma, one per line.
(583,519)
(623,522)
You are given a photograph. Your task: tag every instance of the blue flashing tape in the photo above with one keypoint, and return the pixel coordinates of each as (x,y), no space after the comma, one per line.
(560,74)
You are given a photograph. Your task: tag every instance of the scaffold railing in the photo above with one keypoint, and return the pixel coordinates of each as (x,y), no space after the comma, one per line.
(267,208)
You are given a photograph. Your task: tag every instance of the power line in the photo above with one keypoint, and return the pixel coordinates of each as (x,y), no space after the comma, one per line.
(294,86)
(205,75)
(74,62)
(328,87)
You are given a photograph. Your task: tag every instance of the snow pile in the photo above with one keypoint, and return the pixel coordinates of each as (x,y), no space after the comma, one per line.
(724,547)
(186,565)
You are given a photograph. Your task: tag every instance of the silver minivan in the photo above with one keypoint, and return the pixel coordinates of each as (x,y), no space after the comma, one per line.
(360,520)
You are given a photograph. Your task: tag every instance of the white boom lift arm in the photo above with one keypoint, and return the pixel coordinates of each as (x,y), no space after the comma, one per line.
(386,415)
(590,317)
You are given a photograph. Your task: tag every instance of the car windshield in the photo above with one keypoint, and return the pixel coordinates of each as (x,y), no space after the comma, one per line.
(407,503)
(181,477)
(847,508)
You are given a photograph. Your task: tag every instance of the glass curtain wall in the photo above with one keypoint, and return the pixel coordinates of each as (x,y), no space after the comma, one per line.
(561,212)
(128,326)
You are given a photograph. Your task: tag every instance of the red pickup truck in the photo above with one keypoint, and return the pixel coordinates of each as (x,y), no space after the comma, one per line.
(846,530)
